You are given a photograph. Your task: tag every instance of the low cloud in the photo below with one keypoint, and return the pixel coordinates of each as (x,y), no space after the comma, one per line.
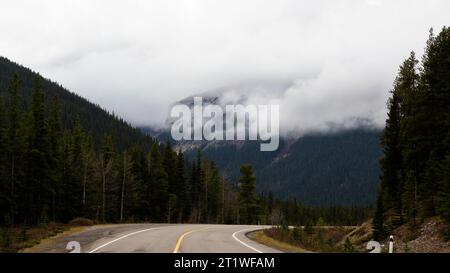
(336,60)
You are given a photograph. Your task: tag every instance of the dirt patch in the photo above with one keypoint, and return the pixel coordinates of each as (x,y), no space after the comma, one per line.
(429,239)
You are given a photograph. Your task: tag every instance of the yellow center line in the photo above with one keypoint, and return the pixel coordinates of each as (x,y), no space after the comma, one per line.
(180,239)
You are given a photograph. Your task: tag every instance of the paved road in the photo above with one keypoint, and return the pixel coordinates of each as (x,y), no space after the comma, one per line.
(181,238)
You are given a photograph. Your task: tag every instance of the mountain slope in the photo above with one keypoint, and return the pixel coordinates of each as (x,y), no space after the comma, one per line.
(335,168)
(92,117)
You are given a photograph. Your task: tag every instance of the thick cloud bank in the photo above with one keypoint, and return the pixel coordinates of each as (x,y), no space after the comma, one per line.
(336,59)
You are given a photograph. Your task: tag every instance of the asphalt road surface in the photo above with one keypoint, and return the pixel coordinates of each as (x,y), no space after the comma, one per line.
(181,238)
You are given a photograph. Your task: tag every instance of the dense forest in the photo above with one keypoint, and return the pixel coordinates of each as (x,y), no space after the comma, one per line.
(338,168)
(415,181)
(53,171)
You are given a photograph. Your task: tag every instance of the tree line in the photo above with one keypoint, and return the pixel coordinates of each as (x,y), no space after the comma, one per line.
(415,181)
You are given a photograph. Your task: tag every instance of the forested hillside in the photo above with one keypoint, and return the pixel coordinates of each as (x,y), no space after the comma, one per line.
(415,181)
(338,168)
(91,116)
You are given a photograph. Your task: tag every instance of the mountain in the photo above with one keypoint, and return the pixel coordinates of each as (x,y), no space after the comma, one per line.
(336,168)
(92,117)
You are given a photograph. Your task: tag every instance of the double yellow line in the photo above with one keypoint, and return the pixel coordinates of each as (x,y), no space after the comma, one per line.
(180,239)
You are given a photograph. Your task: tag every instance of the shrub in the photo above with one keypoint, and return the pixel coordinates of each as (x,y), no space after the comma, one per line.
(80,221)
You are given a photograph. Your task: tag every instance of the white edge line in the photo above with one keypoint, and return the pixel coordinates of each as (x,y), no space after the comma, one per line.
(247,245)
(120,238)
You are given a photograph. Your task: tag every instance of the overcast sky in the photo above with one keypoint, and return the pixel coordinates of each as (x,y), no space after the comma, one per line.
(339,58)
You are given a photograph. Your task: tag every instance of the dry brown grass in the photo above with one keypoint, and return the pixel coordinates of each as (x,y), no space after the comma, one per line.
(21,238)
(36,248)
(262,238)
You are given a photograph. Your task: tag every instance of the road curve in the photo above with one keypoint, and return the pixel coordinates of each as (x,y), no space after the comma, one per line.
(181,238)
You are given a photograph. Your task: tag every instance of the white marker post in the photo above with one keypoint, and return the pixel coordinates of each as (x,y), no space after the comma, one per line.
(391,244)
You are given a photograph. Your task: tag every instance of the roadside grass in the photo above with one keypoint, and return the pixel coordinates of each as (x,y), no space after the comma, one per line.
(307,239)
(20,238)
(49,240)
(262,238)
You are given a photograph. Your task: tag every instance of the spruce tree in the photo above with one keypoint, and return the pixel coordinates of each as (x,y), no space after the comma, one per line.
(4,206)
(107,178)
(180,185)
(55,154)
(160,187)
(435,85)
(247,196)
(15,145)
(38,186)
(128,187)
(378,221)
(391,163)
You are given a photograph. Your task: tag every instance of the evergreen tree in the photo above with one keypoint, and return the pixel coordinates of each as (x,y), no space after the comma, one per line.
(159,182)
(107,178)
(4,204)
(181,188)
(37,188)
(169,162)
(15,146)
(247,196)
(378,221)
(55,154)
(215,190)
(391,163)
(435,102)
(128,188)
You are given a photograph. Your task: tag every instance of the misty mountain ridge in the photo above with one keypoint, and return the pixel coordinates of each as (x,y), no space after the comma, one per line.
(337,166)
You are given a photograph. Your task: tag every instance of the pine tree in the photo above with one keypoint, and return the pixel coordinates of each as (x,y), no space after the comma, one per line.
(38,185)
(194,194)
(4,206)
(159,182)
(55,155)
(128,187)
(180,185)
(88,166)
(435,85)
(15,145)
(107,178)
(406,86)
(169,163)
(215,192)
(378,220)
(391,163)
(247,196)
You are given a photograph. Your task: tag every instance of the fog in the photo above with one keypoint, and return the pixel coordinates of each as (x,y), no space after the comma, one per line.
(335,60)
